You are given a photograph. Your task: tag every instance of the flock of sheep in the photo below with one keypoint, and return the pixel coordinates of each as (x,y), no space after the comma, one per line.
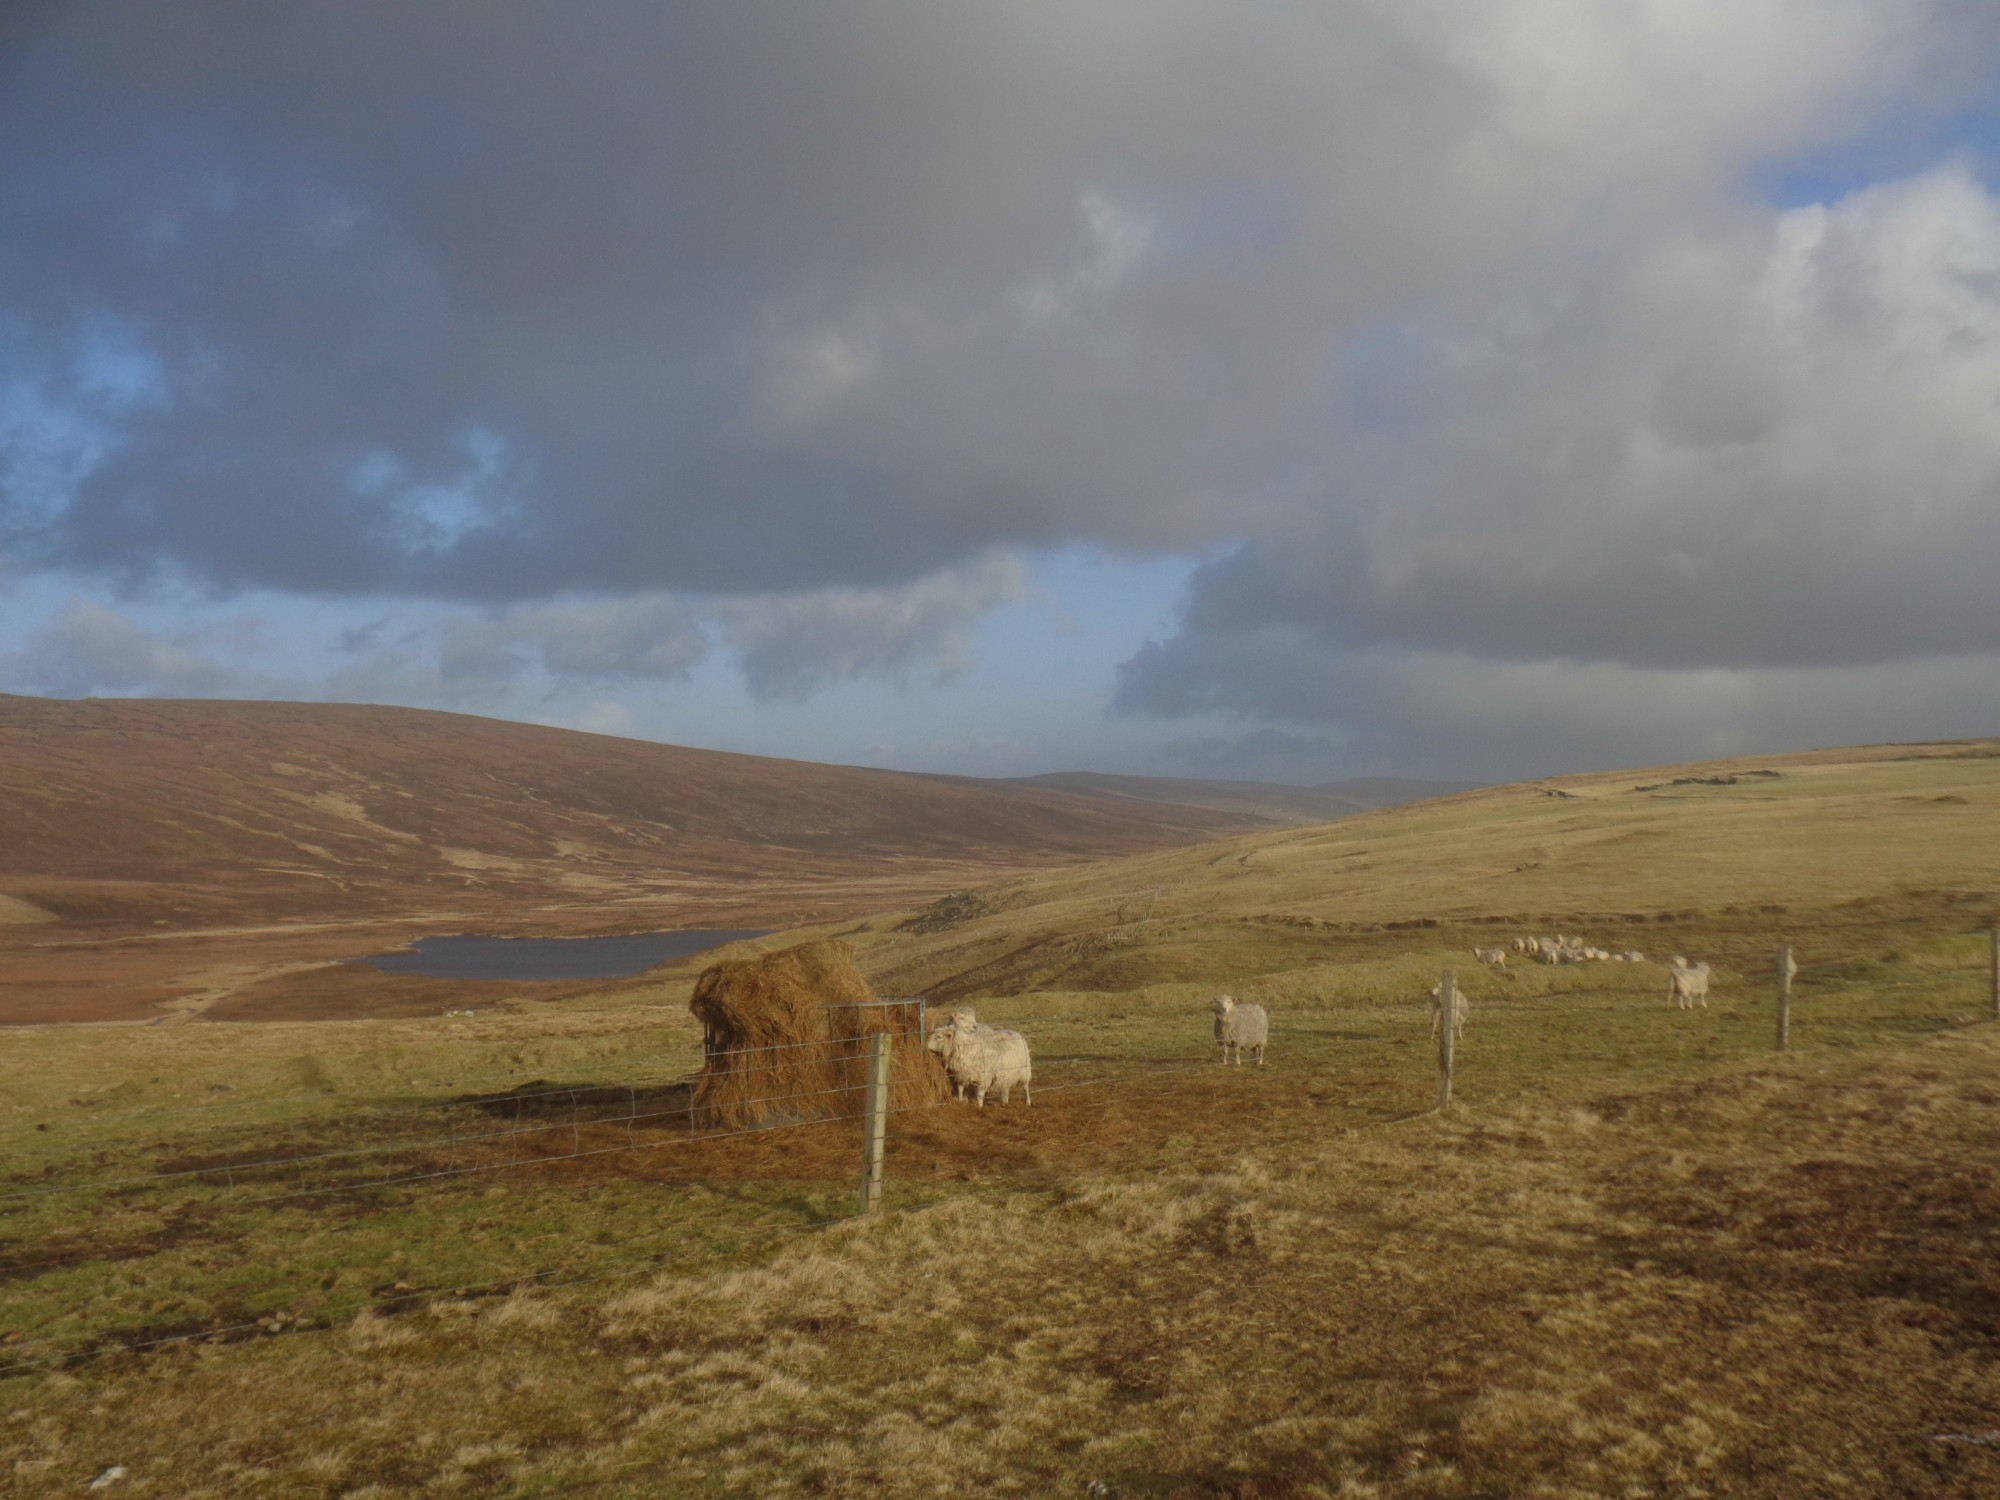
(987,1059)
(1555,950)
(1687,983)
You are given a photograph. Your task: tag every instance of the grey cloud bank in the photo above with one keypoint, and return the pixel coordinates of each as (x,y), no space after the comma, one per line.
(1519,431)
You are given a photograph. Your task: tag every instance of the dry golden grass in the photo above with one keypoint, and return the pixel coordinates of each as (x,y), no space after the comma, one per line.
(1836,838)
(1774,1280)
(1643,1256)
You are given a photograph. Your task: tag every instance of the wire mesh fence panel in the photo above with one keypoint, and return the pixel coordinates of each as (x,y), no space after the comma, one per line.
(1109,1094)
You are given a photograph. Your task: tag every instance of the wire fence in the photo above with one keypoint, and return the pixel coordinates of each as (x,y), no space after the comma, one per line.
(651,1113)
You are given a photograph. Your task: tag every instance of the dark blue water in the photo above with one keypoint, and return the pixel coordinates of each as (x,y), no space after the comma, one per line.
(479,956)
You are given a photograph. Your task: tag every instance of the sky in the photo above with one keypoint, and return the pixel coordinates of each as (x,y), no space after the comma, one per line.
(1272,389)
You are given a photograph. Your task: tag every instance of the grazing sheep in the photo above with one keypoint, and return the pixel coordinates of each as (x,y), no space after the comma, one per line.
(980,1059)
(1495,956)
(1520,945)
(1687,984)
(1458,1013)
(1634,958)
(1240,1026)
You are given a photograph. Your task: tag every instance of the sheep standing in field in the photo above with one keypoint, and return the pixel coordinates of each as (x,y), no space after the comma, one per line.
(1497,957)
(1687,983)
(980,1059)
(1240,1026)
(1460,1009)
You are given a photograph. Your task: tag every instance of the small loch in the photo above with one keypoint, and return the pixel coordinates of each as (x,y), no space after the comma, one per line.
(483,956)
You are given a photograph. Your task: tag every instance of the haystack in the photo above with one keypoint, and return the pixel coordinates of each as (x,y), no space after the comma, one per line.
(786,1039)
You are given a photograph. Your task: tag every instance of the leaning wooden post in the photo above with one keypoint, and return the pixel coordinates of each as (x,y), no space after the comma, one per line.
(1447,1018)
(875,1122)
(1786,969)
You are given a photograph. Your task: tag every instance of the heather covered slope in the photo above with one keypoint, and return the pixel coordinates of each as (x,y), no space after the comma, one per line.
(196,812)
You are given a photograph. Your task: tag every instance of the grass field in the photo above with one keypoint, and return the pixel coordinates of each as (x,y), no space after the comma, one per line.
(1643,1255)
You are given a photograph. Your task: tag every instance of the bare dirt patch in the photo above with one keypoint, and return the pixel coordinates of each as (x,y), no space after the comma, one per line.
(1193,1115)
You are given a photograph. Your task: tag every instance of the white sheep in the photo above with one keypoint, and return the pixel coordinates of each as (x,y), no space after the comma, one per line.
(1495,956)
(1635,958)
(1687,984)
(980,1059)
(1459,1010)
(1239,1026)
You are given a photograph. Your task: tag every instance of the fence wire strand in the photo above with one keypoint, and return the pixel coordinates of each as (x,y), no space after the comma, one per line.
(1152,1079)
(693,1053)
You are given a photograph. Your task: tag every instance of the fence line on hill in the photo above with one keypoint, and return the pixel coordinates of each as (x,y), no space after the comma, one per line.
(629,1115)
(1155,1079)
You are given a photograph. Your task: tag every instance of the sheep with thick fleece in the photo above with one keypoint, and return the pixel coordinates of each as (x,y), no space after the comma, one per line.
(980,1059)
(1239,1026)
(1688,983)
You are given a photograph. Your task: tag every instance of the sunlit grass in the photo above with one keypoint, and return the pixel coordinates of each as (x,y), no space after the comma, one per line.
(1643,1255)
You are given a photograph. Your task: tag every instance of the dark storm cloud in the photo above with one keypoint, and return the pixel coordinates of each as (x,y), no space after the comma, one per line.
(1452,328)
(480,299)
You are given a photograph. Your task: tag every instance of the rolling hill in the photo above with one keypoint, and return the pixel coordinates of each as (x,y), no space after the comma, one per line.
(1732,853)
(186,813)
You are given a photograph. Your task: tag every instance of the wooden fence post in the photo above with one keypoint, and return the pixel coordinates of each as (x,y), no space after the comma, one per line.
(1994,937)
(875,1122)
(1447,1015)
(1786,969)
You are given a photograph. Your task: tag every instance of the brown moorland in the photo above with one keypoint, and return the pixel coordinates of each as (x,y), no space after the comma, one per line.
(177,851)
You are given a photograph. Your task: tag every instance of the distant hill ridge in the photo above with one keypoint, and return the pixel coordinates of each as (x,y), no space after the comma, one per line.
(184,812)
(1266,801)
